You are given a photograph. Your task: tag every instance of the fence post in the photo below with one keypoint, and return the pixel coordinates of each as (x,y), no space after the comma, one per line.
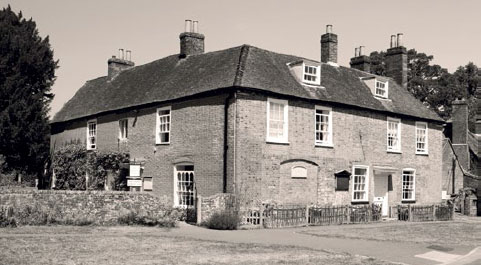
(307,215)
(434,212)
(348,214)
(198,211)
(410,214)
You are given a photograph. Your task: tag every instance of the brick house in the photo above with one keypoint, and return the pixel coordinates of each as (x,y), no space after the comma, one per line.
(268,127)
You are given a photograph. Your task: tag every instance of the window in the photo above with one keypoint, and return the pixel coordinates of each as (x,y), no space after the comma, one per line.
(393,135)
(381,89)
(298,172)
(184,186)
(311,74)
(408,185)
(323,126)
(163,126)
(123,129)
(421,138)
(91,135)
(360,183)
(277,120)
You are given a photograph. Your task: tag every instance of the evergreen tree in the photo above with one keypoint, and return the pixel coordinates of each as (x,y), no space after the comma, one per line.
(27,73)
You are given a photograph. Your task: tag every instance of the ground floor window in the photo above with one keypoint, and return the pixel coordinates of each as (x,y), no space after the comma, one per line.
(184,186)
(408,185)
(360,183)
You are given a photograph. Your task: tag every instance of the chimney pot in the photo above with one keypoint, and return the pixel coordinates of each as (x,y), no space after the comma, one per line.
(195,25)
(393,41)
(188,25)
(399,40)
(361,50)
(356,52)
(328,28)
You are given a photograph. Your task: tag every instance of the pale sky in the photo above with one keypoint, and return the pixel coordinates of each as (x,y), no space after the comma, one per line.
(84,34)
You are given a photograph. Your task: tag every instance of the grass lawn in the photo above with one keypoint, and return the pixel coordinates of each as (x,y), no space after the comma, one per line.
(146,245)
(437,233)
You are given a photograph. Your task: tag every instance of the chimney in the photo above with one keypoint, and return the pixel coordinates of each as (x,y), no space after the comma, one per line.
(329,46)
(360,61)
(191,41)
(477,95)
(117,65)
(397,61)
(459,119)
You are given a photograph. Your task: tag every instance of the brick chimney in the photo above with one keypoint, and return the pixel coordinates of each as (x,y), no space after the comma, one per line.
(459,119)
(397,61)
(360,61)
(191,41)
(329,46)
(117,65)
(477,94)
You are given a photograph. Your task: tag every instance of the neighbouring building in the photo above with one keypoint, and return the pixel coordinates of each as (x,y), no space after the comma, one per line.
(268,127)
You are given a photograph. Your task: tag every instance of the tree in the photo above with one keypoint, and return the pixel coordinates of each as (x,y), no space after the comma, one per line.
(27,73)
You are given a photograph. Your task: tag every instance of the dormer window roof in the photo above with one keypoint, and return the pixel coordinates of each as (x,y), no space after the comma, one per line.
(311,74)
(381,88)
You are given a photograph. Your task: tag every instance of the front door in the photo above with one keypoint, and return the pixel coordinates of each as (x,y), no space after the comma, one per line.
(381,192)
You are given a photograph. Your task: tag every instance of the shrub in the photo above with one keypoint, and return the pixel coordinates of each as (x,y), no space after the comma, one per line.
(165,219)
(224,220)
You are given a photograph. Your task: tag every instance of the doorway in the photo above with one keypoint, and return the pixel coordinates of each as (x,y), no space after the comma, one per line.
(381,182)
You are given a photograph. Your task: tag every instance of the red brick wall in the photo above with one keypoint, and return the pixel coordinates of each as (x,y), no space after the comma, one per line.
(197,137)
(359,137)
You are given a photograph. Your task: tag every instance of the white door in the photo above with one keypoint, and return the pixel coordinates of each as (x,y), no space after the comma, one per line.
(381,192)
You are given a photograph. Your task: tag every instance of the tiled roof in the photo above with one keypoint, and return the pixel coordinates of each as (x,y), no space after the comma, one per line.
(245,66)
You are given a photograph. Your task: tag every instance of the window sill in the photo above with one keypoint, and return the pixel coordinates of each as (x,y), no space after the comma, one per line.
(359,202)
(324,145)
(162,143)
(277,142)
(394,151)
(408,201)
(422,154)
(341,190)
(383,98)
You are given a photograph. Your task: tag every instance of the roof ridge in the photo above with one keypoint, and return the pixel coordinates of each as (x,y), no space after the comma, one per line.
(239,74)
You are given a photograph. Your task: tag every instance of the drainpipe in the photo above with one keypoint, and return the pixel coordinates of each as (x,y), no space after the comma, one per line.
(226,147)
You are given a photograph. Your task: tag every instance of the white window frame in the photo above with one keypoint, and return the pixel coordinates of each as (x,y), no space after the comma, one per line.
(386,89)
(123,131)
(176,190)
(89,144)
(413,184)
(158,139)
(285,128)
(366,184)
(317,75)
(397,148)
(425,127)
(329,141)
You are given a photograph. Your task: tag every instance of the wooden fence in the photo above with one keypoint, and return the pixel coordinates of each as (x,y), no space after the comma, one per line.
(347,214)
(422,213)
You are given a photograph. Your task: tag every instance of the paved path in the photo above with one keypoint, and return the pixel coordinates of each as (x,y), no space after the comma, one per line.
(403,252)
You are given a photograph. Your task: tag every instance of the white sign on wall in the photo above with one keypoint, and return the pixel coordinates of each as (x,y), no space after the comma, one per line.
(134,182)
(134,171)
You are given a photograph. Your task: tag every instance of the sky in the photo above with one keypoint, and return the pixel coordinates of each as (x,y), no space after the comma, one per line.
(85,34)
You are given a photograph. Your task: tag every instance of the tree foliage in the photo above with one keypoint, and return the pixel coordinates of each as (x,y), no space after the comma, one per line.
(27,73)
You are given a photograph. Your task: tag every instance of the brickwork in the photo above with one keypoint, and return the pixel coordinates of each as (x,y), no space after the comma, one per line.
(359,138)
(329,48)
(397,65)
(362,63)
(191,44)
(197,138)
(452,173)
(215,203)
(104,207)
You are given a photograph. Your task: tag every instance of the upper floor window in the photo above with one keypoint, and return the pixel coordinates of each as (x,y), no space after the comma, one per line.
(360,183)
(381,89)
(408,188)
(123,129)
(421,138)
(394,135)
(162,135)
(277,120)
(323,126)
(91,134)
(311,74)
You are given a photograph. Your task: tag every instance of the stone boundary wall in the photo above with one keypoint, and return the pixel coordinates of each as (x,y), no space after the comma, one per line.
(103,207)
(206,206)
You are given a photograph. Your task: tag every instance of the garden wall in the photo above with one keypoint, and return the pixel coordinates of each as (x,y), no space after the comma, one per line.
(206,206)
(100,207)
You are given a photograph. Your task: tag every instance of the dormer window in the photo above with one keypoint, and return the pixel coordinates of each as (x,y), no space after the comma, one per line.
(381,89)
(311,74)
